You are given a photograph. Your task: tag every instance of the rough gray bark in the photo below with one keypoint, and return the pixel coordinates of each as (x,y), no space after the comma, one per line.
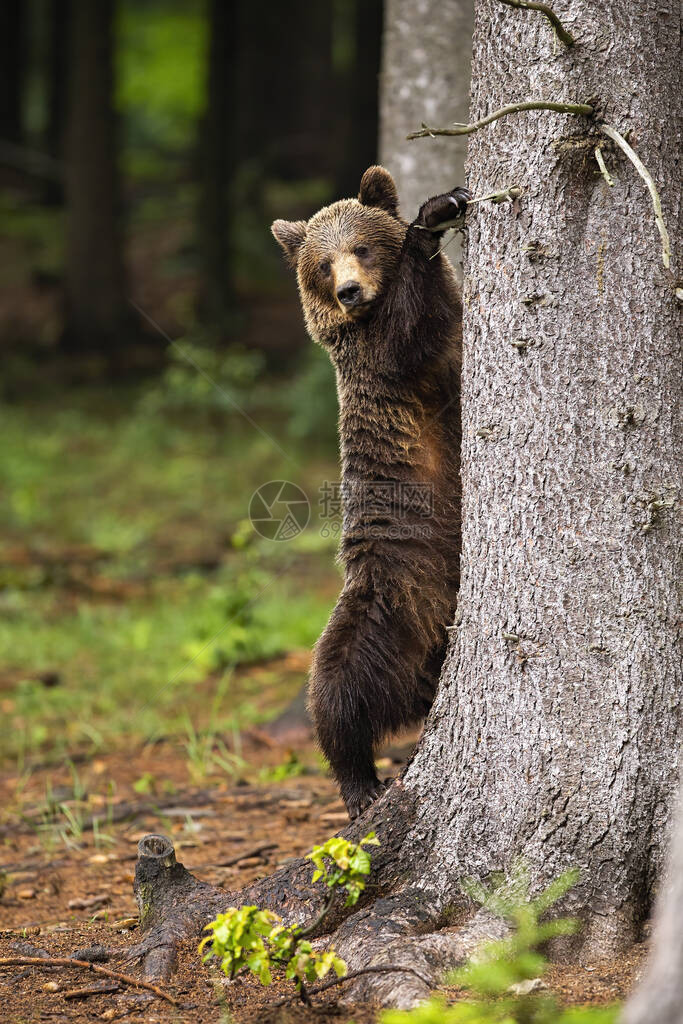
(427,50)
(556,731)
(659,997)
(558,717)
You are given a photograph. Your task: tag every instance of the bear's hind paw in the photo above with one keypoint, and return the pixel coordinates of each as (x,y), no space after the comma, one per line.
(360,798)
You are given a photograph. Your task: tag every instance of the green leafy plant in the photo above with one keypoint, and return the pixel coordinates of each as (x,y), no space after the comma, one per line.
(256,940)
(344,865)
(505,977)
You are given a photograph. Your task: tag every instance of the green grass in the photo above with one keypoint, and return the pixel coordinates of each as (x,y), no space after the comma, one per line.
(129,568)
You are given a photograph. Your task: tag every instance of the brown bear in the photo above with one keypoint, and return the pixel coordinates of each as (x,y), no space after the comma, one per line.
(382,299)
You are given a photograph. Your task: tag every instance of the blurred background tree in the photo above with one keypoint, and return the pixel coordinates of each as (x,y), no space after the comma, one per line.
(12,38)
(144,149)
(97,312)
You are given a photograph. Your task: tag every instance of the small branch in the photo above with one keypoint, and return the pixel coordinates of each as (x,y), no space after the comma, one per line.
(39,961)
(327,905)
(583,109)
(380,969)
(647,178)
(504,195)
(530,5)
(512,192)
(443,248)
(603,167)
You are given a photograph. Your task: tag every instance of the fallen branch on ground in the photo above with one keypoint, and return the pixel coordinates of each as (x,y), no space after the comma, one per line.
(63,961)
(90,990)
(231,861)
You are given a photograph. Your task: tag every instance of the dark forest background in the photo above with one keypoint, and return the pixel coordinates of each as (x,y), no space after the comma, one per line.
(155,367)
(145,146)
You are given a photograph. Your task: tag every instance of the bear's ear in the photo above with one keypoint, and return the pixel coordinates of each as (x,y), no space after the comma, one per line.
(377,188)
(290,234)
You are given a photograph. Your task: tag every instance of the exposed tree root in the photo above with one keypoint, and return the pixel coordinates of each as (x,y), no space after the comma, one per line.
(395,926)
(352,976)
(608,934)
(396,930)
(384,939)
(175,906)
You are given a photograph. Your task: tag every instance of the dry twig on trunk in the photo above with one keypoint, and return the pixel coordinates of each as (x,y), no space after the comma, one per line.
(530,5)
(652,188)
(584,109)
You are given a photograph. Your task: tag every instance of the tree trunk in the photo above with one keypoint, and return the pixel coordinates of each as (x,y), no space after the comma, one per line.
(558,718)
(57,83)
(659,997)
(357,98)
(218,144)
(97,317)
(556,730)
(285,89)
(427,52)
(12,62)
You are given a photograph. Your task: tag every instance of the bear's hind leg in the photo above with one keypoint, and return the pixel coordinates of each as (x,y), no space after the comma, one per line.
(346,741)
(358,694)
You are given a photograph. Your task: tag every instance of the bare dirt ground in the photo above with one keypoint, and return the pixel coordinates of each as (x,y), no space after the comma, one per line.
(67,887)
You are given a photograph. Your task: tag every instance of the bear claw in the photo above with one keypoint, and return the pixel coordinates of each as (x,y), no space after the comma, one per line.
(360,800)
(438,213)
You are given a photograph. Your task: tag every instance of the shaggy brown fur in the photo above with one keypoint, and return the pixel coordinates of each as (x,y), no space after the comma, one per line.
(384,303)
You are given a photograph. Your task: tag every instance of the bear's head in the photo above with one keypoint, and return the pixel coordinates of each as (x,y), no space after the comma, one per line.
(346,254)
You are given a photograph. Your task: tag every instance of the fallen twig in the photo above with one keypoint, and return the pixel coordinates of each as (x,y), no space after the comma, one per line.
(647,178)
(90,990)
(62,961)
(379,969)
(231,861)
(584,109)
(530,5)
(114,814)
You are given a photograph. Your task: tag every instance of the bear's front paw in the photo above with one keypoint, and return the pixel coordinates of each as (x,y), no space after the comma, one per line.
(445,211)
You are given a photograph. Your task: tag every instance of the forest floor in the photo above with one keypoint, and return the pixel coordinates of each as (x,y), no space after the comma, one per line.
(69,887)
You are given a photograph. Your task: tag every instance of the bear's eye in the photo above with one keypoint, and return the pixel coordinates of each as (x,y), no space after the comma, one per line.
(360,250)
(325,267)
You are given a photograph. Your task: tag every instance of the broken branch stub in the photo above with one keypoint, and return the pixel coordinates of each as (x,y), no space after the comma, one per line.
(173,905)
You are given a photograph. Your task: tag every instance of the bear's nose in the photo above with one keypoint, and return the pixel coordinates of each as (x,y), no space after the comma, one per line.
(349,293)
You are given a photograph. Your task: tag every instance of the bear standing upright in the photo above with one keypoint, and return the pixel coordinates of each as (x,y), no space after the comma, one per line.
(380,297)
